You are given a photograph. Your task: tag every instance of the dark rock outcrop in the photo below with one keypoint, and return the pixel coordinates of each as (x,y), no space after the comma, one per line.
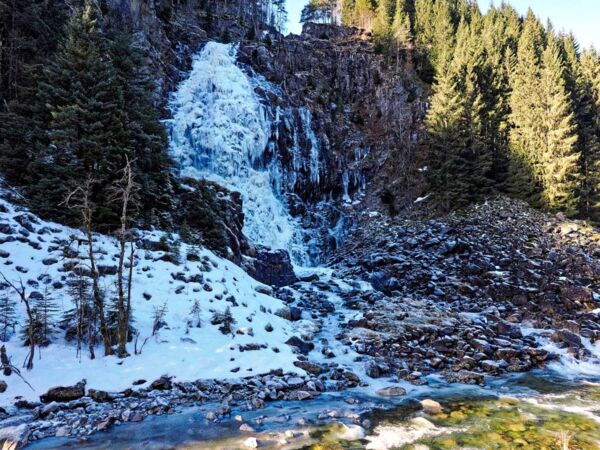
(272,267)
(64,393)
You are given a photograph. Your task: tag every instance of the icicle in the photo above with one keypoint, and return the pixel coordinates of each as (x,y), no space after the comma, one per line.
(221,131)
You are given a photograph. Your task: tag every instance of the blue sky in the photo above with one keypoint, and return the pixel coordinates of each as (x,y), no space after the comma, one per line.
(580,16)
(294,8)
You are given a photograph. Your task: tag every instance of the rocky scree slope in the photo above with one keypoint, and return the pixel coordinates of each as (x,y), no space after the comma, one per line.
(499,288)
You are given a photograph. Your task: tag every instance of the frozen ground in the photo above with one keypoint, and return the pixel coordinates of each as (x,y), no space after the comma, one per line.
(187,352)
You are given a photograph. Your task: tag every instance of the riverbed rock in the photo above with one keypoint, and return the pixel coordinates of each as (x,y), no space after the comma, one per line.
(14,437)
(431,406)
(162,384)
(302,346)
(64,393)
(391,391)
(251,442)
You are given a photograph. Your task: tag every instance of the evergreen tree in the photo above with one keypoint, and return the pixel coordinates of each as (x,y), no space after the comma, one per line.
(94,110)
(382,25)
(29,32)
(559,155)
(44,311)
(86,133)
(195,312)
(526,116)
(80,322)
(581,76)
(363,14)
(447,140)
(458,128)
(8,318)
(499,36)
(434,34)
(588,119)
(145,134)
(320,11)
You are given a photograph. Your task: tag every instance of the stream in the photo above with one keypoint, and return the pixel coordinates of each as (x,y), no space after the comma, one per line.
(538,410)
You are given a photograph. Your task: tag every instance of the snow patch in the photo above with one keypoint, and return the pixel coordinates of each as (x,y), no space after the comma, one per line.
(180,350)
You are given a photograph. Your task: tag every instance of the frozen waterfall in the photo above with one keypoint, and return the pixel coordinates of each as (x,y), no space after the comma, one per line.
(220,131)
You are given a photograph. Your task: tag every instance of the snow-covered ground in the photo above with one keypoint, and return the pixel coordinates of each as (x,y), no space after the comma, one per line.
(189,353)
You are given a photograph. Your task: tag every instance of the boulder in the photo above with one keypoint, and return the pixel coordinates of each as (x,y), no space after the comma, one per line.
(313,369)
(391,391)
(251,442)
(162,384)
(15,437)
(431,406)
(272,267)
(465,377)
(567,338)
(302,346)
(100,396)
(290,313)
(64,393)
(300,395)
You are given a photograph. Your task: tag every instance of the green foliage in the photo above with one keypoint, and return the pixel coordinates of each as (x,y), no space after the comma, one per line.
(83,112)
(543,138)
(318,11)
(559,155)
(460,138)
(8,318)
(29,32)
(583,83)
(44,311)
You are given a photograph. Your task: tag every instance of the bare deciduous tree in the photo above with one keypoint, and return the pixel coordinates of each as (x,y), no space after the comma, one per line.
(125,191)
(80,200)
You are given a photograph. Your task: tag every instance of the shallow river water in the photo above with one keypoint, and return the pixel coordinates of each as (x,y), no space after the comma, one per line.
(533,411)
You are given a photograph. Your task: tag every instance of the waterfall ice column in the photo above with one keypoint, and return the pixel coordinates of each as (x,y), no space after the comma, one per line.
(220,131)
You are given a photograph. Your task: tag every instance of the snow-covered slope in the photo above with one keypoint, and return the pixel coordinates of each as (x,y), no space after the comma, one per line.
(33,251)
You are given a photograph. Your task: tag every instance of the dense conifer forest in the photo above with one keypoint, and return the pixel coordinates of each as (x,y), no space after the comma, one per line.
(514,106)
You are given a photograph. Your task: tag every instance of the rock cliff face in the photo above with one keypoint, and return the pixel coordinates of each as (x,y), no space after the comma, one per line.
(365,118)
(367,112)
(171,31)
(345,123)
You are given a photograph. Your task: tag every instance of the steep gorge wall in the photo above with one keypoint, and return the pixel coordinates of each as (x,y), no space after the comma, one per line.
(346,123)
(366,114)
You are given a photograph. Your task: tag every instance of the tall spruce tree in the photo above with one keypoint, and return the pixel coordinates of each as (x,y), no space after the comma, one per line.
(588,119)
(559,155)
(363,14)
(86,130)
(93,109)
(526,116)
(382,25)
(461,153)
(144,133)
(581,73)
(29,33)
(8,317)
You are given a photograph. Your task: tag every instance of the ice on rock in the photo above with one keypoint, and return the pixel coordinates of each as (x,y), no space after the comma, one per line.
(220,131)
